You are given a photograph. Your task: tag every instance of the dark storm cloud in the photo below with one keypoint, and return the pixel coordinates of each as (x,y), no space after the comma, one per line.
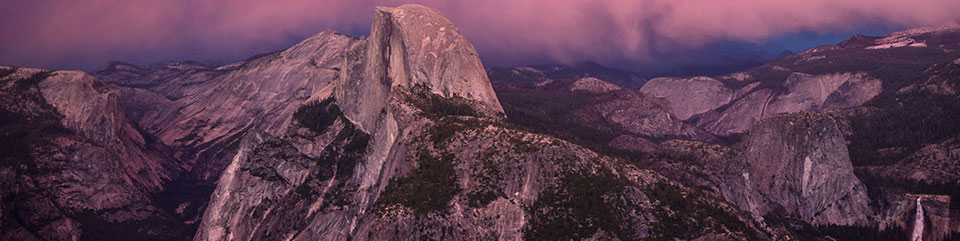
(84,33)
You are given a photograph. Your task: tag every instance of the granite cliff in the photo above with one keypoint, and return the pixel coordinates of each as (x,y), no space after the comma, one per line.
(425,157)
(829,77)
(74,167)
(797,166)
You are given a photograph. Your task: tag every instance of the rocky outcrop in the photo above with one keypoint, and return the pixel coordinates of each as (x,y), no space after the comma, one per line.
(365,91)
(439,57)
(593,85)
(823,92)
(938,217)
(415,48)
(74,167)
(641,115)
(202,111)
(411,46)
(93,110)
(689,96)
(797,166)
(591,109)
(802,92)
(738,116)
(427,160)
(903,145)
(275,186)
(823,78)
(475,182)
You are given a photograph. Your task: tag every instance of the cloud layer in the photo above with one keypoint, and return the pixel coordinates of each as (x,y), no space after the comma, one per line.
(83,34)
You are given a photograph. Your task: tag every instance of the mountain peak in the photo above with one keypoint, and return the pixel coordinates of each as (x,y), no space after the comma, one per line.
(411,45)
(436,55)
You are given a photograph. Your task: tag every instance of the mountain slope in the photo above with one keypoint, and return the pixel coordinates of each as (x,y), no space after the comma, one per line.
(903,144)
(824,78)
(199,109)
(892,97)
(900,142)
(584,69)
(797,166)
(588,111)
(434,164)
(74,167)
(202,112)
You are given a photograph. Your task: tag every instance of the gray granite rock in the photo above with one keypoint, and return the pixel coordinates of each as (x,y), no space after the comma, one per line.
(797,166)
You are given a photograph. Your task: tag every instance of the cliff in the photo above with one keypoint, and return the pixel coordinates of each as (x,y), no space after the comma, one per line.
(404,155)
(797,166)
(73,166)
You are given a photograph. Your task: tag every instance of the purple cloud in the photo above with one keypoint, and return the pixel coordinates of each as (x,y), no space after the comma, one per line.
(82,34)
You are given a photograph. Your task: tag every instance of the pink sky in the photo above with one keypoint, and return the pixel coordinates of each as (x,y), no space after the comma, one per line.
(81,33)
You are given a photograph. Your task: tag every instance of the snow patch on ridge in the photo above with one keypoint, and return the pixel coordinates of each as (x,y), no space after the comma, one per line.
(923,30)
(897,43)
(741,76)
(905,38)
(817,57)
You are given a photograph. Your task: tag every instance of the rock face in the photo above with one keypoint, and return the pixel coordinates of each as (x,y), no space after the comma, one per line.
(593,85)
(74,167)
(589,110)
(439,57)
(938,217)
(797,166)
(200,110)
(824,78)
(410,47)
(476,183)
(689,96)
(433,160)
(725,111)
(940,220)
(95,112)
(270,183)
(413,45)
(803,93)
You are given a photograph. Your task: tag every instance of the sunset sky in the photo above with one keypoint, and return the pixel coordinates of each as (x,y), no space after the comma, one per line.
(640,35)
